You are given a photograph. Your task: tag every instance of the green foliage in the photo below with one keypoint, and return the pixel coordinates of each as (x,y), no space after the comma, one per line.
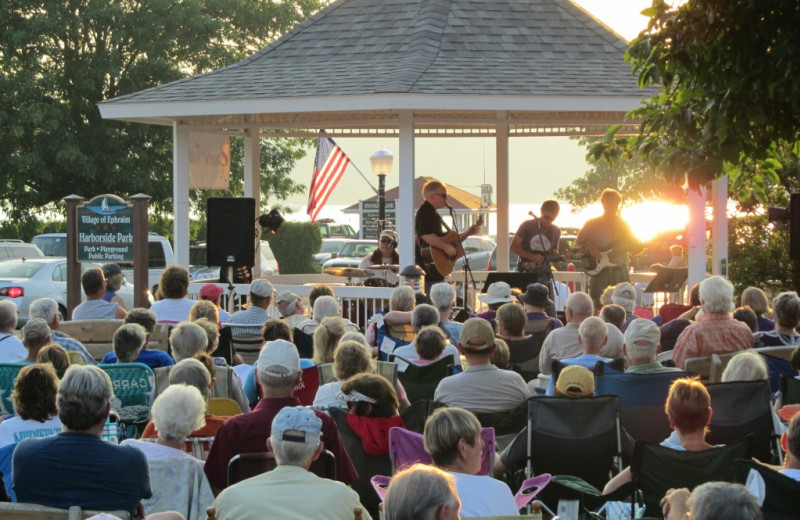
(26,229)
(294,246)
(759,255)
(59,59)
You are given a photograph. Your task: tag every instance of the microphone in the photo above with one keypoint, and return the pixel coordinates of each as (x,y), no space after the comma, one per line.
(448,206)
(531,213)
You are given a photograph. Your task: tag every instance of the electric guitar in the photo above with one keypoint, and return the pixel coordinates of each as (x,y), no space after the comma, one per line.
(592,266)
(436,260)
(529,266)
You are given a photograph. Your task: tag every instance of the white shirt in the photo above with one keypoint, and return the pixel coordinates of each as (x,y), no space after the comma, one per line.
(481,495)
(15,430)
(409,353)
(172,310)
(11,348)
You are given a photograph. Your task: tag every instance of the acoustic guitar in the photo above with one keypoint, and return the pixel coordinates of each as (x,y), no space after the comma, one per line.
(436,260)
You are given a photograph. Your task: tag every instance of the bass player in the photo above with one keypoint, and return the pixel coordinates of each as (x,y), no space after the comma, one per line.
(430,230)
(608,240)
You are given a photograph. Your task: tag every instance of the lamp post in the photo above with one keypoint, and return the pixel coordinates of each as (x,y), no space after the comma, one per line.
(381,161)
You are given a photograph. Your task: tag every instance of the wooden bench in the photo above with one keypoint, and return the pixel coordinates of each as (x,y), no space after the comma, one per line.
(709,368)
(21,511)
(98,335)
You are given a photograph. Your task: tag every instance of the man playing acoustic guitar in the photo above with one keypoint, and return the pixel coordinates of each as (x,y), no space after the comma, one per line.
(608,240)
(431,231)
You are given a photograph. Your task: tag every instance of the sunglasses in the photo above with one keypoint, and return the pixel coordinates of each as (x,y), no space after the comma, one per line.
(442,195)
(386,241)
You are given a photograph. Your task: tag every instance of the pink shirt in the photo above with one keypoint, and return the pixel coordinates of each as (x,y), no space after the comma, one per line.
(713,334)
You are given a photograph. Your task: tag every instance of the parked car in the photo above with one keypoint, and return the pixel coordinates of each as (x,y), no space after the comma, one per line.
(478,250)
(198,270)
(328,248)
(23,281)
(351,253)
(159,252)
(11,248)
(565,244)
(330,229)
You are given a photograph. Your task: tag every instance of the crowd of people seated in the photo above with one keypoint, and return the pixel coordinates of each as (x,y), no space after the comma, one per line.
(57,445)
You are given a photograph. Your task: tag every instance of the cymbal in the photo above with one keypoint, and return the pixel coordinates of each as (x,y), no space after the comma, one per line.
(385,267)
(349,272)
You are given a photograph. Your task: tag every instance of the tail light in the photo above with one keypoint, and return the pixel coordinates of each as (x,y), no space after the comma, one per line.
(12,292)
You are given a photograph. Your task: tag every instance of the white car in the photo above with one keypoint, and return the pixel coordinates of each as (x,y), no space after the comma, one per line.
(23,281)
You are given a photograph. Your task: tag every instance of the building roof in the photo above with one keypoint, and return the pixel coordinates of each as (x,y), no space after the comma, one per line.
(389,55)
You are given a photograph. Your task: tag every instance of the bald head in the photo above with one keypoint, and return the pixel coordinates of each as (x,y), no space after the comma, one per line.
(579,307)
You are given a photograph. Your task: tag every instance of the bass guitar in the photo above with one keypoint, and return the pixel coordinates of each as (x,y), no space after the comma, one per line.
(436,260)
(527,266)
(592,266)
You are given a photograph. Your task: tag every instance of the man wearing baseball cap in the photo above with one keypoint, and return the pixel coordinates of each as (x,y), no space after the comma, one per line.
(482,387)
(642,338)
(278,373)
(255,315)
(384,254)
(212,293)
(290,491)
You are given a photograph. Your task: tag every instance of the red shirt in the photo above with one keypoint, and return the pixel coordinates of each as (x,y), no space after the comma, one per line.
(248,433)
(713,334)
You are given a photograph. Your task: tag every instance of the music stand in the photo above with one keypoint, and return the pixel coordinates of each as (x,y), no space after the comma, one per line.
(668,279)
(518,280)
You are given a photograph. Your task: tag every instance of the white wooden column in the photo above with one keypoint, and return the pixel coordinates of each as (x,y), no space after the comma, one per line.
(697,236)
(405,200)
(180,193)
(252,179)
(719,231)
(501,145)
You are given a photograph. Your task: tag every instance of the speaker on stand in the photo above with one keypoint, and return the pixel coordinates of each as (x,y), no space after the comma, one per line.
(231,237)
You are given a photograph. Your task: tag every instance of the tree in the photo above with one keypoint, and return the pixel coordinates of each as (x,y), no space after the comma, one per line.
(59,59)
(729,99)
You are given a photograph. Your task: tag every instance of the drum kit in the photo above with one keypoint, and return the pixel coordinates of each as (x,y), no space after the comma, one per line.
(369,274)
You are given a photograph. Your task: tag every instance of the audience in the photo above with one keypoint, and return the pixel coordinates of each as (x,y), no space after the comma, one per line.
(154,358)
(114,281)
(536,300)
(35,335)
(129,340)
(255,315)
(624,295)
(746,315)
(496,295)
(290,491)
(424,316)
(592,336)
(453,440)
(501,355)
(756,299)
(173,306)
(95,307)
(790,442)
(349,359)
(613,314)
(641,349)
(422,492)
(55,355)
(213,293)
(711,501)
(372,407)
(47,309)
(291,308)
(326,338)
(715,332)
(786,308)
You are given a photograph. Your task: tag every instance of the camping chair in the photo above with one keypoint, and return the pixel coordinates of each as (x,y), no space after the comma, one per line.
(524,354)
(246,465)
(306,389)
(742,408)
(304,343)
(573,436)
(366,464)
(389,337)
(420,382)
(780,491)
(385,368)
(709,368)
(223,407)
(656,469)
(790,389)
(407,448)
(641,401)
(506,425)
(8,377)
(134,388)
(776,367)
(246,340)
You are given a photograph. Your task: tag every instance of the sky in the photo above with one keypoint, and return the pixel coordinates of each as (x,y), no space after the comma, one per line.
(469,162)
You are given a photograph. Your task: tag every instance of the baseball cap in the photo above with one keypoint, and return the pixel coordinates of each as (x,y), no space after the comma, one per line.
(210,292)
(642,330)
(261,288)
(624,290)
(575,381)
(110,270)
(498,292)
(477,329)
(285,300)
(297,424)
(278,353)
(388,233)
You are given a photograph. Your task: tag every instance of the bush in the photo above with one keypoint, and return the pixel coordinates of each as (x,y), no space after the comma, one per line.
(294,246)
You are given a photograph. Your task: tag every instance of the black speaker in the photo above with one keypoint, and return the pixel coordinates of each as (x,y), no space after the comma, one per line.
(231,231)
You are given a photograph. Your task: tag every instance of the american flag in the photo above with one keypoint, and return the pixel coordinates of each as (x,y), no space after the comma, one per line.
(329,167)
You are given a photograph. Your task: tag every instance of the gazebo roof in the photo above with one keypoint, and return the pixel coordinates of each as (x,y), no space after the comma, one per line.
(357,63)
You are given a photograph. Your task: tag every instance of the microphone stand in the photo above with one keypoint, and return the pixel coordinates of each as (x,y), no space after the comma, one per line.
(467,269)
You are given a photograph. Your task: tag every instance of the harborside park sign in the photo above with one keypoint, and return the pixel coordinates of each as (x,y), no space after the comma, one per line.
(105,230)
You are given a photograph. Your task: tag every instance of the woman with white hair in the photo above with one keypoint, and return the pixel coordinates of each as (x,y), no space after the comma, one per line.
(11,347)
(177,411)
(422,492)
(786,310)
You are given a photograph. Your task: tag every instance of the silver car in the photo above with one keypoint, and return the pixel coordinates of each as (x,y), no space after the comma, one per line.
(23,281)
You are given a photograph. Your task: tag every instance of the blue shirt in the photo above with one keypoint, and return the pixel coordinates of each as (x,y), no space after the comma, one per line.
(152,358)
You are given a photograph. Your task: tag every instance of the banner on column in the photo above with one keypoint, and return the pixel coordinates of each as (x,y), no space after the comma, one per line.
(209,161)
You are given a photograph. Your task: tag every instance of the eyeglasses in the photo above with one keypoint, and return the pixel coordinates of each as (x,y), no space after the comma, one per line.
(442,195)
(386,241)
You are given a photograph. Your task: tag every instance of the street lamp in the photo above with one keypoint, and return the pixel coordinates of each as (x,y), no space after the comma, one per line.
(381,161)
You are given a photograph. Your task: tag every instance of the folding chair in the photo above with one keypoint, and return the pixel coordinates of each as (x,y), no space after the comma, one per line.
(246,340)
(742,408)
(407,448)
(366,464)
(524,353)
(780,491)
(389,337)
(641,401)
(304,343)
(709,368)
(134,388)
(573,436)
(656,469)
(777,367)
(8,377)
(385,368)
(420,382)
(247,465)
(790,389)
(223,407)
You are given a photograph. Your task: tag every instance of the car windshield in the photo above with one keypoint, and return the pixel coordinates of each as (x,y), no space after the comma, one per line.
(330,246)
(52,246)
(357,249)
(19,269)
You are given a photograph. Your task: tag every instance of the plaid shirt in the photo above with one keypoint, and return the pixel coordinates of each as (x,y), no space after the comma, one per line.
(713,334)
(255,316)
(72,345)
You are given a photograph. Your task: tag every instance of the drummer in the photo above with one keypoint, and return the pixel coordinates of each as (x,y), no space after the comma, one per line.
(385,254)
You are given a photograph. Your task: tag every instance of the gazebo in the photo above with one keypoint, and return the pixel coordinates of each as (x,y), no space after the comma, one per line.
(408,69)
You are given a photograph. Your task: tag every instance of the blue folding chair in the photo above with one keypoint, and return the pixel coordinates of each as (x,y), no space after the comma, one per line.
(8,377)
(134,386)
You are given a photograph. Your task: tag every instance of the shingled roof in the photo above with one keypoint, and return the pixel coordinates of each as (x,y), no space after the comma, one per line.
(395,54)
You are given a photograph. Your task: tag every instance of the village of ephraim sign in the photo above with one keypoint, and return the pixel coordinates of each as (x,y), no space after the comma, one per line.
(105,230)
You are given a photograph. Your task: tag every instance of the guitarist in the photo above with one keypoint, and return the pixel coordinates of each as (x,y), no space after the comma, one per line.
(535,240)
(429,228)
(608,233)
